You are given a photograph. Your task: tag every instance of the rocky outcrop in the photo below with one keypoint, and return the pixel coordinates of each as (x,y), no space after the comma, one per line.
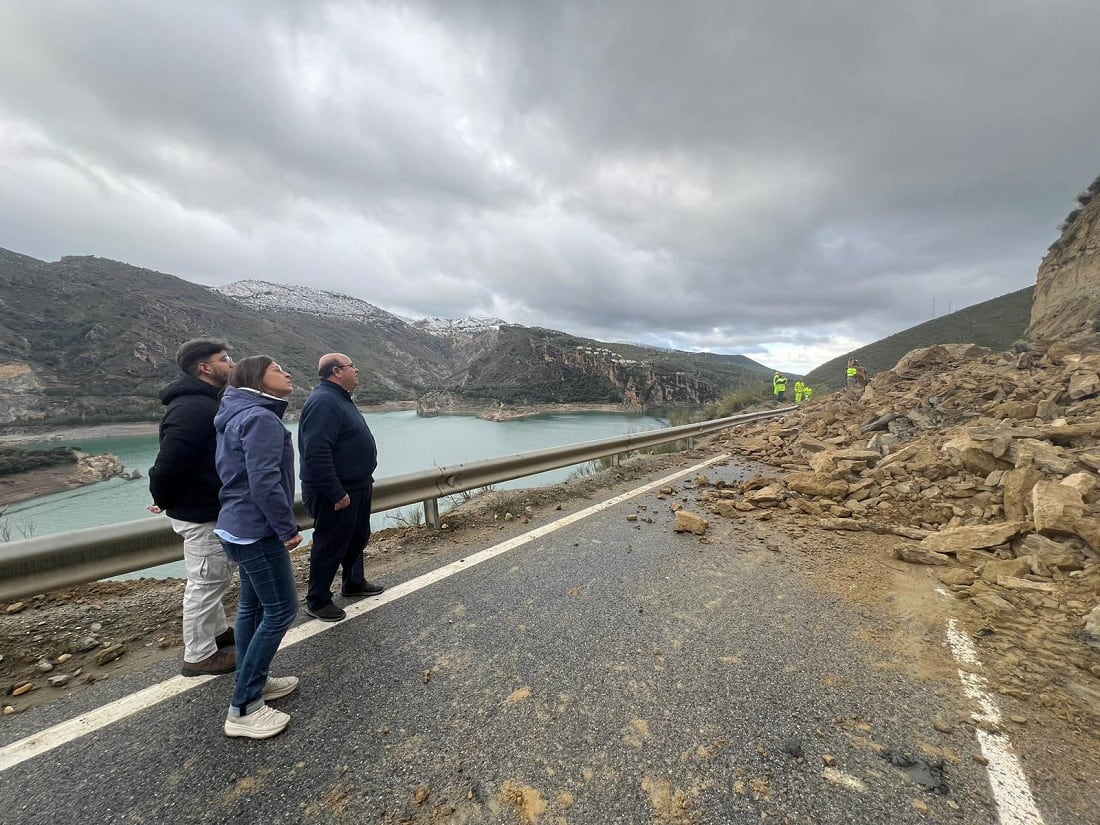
(1067,300)
(19,393)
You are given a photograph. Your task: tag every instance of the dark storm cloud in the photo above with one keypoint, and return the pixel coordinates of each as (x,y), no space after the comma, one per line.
(785,179)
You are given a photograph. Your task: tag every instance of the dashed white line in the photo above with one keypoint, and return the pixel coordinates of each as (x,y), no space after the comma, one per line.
(1011,792)
(64,732)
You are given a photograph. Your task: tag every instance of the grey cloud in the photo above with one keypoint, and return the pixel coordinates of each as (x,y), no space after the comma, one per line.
(708,174)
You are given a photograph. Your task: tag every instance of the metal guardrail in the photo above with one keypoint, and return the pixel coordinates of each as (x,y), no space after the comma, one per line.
(39,565)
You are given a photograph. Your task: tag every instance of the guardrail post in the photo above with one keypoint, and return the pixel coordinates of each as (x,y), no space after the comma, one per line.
(615,459)
(431,513)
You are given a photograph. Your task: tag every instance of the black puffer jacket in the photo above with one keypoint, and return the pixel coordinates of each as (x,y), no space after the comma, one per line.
(184,481)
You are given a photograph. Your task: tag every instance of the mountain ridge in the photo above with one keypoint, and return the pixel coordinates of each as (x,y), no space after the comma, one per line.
(104,343)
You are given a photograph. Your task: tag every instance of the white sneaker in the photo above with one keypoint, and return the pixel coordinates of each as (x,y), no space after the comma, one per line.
(262,724)
(279,686)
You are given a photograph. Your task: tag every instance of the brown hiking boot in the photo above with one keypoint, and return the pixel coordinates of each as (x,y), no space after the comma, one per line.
(222,661)
(226,639)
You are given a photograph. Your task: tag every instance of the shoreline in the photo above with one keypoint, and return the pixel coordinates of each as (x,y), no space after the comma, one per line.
(122,429)
(518,413)
(50,435)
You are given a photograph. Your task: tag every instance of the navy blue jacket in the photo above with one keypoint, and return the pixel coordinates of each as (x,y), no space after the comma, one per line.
(335,445)
(256,463)
(183,480)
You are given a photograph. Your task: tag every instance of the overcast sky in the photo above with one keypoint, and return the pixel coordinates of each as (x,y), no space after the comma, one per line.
(786,180)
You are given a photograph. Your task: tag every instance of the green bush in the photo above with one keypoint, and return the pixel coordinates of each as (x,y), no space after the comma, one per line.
(743,397)
(20,460)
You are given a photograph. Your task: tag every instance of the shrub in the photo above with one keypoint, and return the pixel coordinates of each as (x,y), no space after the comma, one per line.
(743,397)
(20,460)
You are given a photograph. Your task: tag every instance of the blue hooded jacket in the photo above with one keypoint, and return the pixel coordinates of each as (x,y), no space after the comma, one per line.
(255,461)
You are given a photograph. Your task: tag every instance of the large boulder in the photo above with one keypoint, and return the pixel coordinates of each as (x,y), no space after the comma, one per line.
(814,484)
(1017,485)
(1055,507)
(965,452)
(976,537)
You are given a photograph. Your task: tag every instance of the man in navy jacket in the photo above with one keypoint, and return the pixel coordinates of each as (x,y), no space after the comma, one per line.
(337,454)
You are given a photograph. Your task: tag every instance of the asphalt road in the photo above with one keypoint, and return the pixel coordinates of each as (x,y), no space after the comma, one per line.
(608,671)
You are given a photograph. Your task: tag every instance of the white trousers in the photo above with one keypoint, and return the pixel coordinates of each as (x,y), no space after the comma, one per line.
(209,573)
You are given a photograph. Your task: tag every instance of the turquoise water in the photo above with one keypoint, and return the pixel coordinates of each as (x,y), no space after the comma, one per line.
(406,443)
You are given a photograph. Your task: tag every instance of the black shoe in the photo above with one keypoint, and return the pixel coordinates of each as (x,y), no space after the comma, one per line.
(327,613)
(226,639)
(368,589)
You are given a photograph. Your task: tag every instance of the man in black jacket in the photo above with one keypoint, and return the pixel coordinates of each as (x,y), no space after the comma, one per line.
(338,456)
(185,484)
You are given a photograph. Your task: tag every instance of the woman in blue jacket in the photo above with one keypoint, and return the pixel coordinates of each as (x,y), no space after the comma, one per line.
(255,461)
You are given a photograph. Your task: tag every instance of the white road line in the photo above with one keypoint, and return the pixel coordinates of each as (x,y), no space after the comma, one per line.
(1011,792)
(64,732)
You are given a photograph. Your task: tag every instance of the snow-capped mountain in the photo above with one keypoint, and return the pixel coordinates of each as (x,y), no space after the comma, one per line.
(459,326)
(281,297)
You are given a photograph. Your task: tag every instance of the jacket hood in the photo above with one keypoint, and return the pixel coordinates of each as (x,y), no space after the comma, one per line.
(187,385)
(240,399)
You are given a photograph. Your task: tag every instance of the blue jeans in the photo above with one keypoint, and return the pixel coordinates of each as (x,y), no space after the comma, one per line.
(268,605)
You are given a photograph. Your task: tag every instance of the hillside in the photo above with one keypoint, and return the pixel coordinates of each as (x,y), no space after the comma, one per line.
(88,339)
(542,366)
(996,324)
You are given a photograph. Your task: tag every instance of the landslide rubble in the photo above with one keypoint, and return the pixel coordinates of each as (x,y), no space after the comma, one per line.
(981,465)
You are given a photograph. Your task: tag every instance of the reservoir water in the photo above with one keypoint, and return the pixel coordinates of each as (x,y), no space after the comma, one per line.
(406,443)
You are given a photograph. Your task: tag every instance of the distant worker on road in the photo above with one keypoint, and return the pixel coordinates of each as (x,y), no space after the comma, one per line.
(807,393)
(799,391)
(184,484)
(338,458)
(779,387)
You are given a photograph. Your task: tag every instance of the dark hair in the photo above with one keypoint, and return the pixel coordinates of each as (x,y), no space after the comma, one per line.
(249,372)
(327,368)
(191,353)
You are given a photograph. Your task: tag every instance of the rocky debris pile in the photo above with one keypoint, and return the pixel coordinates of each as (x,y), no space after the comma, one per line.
(982,464)
(93,468)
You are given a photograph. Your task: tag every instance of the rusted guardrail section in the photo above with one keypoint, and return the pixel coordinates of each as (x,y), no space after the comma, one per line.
(38,565)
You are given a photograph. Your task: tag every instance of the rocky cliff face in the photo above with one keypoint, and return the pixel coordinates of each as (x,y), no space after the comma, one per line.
(1067,292)
(19,393)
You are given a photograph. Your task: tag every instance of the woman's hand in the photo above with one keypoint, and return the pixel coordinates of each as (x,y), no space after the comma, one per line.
(294,542)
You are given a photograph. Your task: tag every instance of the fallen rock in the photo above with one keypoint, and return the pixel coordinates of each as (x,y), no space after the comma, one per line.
(919,555)
(109,654)
(957,576)
(812,484)
(687,522)
(974,537)
(992,571)
(1054,507)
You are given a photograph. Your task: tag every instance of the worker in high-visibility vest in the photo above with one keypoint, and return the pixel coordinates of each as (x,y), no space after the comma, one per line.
(799,391)
(807,393)
(850,373)
(779,387)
